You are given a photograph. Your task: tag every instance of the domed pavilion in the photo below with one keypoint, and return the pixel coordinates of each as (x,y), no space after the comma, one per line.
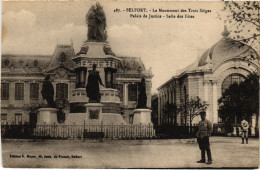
(226,62)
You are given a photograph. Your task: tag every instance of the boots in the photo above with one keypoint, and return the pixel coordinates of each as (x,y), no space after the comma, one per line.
(209,156)
(242,140)
(246,140)
(202,157)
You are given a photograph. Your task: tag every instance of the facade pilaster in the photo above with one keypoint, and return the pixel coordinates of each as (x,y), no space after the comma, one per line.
(215,102)
(125,94)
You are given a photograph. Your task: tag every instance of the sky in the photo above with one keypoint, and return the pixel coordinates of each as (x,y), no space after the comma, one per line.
(164,44)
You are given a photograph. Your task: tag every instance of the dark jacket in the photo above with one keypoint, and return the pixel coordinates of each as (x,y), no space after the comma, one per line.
(205,129)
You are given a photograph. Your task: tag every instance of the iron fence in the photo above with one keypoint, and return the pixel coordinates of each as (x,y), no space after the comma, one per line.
(73,131)
(178,132)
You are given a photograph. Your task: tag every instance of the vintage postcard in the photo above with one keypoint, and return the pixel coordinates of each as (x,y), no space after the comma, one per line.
(130,84)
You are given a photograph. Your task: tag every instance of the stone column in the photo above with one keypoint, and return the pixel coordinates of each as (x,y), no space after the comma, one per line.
(206,90)
(215,103)
(27,92)
(125,94)
(206,93)
(81,77)
(109,77)
(148,93)
(253,125)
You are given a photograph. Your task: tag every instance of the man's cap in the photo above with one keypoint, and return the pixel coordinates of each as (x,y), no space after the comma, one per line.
(202,113)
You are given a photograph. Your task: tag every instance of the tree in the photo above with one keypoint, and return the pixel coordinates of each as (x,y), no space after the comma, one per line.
(240,100)
(170,113)
(63,107)
(243,21)
(154,115)
(192,108)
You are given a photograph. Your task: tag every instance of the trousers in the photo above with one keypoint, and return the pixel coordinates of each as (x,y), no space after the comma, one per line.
(244,134)
(204,146)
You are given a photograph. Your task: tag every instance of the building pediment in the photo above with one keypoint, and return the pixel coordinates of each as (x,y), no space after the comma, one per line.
(61,71)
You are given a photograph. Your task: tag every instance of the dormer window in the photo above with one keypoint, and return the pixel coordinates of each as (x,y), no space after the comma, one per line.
(21,62)
(35,63)
(6,62)
(63,57)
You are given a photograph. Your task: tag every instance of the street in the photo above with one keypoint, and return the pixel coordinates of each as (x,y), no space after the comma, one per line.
(171,153)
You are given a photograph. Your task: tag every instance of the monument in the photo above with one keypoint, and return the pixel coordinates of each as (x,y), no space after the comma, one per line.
(47,115)
(91,100)
(94,107)
(142,114)
(96,21)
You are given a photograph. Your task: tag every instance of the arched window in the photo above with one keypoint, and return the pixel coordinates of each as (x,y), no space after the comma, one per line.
(63,57)
(231,79)
(35,63)
(61,91)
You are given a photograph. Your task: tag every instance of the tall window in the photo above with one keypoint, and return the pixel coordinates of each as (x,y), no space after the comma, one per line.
(18,118)
(132,92)
(3,119)
(231,79)
(119,87)
(34,91)
(19,91)
(174,95)
(5,91)
(63,57)
(61,91)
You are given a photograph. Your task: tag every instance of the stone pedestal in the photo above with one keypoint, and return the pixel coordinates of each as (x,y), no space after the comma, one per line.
(47,116)
(253,125)
(234,131)
(142,116)
(93,113)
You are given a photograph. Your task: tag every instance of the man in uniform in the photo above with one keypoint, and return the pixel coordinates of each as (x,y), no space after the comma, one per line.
(245,126)
(205,130)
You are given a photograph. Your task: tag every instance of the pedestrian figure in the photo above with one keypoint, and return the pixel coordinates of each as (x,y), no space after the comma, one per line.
(245,126)
(48,92)
(205,130)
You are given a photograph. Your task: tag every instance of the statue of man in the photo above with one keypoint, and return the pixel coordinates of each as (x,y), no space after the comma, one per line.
(96,20)
(48,92)
(142,98)
(92,87)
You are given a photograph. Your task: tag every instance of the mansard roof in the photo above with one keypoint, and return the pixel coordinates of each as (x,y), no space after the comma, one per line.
(19,62)
(131,65)
(63,54)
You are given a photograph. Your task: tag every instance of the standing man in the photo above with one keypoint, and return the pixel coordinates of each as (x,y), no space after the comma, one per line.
(205,130)
(92,87)
(245,126)
(48,92)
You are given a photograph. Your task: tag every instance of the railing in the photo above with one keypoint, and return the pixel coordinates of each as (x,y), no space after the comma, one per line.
(62,131)
(179,132)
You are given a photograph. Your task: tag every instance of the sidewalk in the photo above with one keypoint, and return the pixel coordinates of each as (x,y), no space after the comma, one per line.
(171,153)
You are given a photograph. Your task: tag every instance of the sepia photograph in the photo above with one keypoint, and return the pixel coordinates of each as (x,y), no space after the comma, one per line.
(130,84)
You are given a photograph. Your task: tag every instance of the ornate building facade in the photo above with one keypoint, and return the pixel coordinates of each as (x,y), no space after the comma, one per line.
(22,77)
(208,77)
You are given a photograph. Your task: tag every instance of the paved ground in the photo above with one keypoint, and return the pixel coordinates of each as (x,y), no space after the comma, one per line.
(174,153)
